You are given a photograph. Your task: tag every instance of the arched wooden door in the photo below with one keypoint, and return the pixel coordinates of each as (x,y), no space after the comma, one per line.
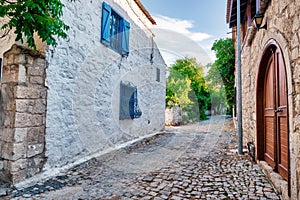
(275,112)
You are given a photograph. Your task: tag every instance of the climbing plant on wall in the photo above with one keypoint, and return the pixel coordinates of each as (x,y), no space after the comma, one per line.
(26,17)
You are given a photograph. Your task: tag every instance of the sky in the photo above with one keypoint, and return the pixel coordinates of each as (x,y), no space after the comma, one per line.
(188,28)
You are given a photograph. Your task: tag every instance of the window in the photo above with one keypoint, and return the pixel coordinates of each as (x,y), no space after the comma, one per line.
(114,30)
(157,74)
(129,108)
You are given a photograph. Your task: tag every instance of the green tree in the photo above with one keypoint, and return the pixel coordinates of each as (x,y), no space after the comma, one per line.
(199,94)
(221,73)
(178,88)
(27,17)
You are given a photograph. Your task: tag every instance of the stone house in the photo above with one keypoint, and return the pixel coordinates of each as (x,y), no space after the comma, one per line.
(101,88)
(271,88)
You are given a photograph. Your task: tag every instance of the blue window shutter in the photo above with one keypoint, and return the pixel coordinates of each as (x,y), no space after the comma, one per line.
(105,26)
(125,37)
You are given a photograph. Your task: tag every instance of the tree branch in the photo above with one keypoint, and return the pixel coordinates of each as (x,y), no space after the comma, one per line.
(6,32)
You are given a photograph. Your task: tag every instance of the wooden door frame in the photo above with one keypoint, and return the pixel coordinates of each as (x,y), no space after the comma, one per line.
(271,47)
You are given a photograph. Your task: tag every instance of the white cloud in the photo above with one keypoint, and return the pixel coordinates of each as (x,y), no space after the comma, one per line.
(175,39)
(180,26)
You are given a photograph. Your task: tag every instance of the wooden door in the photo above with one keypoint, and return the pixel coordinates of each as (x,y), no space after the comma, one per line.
(269,114)
(282,118)
(276,115)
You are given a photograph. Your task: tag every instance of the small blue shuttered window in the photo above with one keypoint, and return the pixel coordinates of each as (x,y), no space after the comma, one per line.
(114,30)
(129,108)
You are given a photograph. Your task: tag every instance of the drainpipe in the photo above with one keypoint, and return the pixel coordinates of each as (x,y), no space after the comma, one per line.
(239,79)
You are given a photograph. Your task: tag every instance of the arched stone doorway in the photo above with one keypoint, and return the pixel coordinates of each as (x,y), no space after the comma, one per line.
(272,110)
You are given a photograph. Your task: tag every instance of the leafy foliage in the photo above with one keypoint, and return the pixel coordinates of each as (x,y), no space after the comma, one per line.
(221,73)
(193,76)
(27,17)
(178,88)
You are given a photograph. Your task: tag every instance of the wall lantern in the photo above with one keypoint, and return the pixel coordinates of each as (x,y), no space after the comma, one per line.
(258,18)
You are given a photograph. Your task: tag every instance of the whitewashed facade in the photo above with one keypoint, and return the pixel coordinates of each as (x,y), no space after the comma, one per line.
(84,77)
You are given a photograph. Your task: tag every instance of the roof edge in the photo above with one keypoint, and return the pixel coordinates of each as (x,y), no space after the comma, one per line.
(140,5)
(228,13)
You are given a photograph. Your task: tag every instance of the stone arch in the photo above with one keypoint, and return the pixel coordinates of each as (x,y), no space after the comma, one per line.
(272,46)
(275,36)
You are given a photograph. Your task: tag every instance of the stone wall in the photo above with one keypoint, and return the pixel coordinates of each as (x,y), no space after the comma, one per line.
(22,114)
(173,116)
(84,80)
(283,20)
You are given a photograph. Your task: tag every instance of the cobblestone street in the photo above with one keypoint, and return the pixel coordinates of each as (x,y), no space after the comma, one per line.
(196,161)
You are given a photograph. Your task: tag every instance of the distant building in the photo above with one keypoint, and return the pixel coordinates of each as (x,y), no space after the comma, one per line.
(271,88)
(101,87)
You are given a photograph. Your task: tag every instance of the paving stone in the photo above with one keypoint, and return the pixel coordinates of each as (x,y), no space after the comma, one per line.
(220,174)
(176,198)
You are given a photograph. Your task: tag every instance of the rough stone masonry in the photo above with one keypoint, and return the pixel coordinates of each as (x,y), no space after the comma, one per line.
(22,114)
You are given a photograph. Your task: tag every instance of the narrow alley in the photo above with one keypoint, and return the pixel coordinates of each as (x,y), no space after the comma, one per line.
(197,161)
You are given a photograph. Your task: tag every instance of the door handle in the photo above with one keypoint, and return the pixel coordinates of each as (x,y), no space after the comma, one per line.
(278,110)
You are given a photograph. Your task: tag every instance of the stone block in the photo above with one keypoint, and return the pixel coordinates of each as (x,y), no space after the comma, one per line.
(40,63)
(1,146)
(37,161)
(34,149)
(1,165)
(295,53)
(18,165)
(15,50)
(8,117)
(6,164)
(24,92)
(32,171)
(18,176)
(36,134)
(10,59)
(11,151)
(5,176)
(20,134)
(29,60)
(37,80)
(44,94)
(296,24)
(35,71)
(10,106)
(37,106)
(7,93)
(24,120)
(6,134)
(22,77)
(19,151)
(6,74)
(35,165)
(19,59)
(10,74)
(24,105)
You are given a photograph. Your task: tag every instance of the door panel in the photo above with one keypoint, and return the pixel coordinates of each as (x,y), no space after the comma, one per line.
(276,133)
(282,119)
(269,120)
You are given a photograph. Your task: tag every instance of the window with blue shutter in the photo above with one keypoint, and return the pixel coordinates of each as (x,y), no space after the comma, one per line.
(114,30)
(105,27)
(129,108)
(125,37)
